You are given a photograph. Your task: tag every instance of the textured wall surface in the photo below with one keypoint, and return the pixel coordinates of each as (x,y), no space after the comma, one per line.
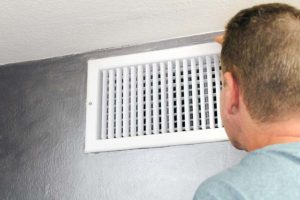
(36,29)
(42,127)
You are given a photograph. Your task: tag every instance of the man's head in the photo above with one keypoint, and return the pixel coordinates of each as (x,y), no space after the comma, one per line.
(261,68)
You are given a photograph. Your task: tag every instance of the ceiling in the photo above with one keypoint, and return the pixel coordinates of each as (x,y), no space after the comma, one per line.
(38,29)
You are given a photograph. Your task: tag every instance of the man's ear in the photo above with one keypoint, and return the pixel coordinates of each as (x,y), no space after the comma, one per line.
(231,93)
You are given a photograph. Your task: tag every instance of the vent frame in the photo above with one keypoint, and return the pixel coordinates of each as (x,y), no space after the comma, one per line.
(92,141)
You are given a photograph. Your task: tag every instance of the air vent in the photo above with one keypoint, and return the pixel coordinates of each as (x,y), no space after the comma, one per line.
(159,98)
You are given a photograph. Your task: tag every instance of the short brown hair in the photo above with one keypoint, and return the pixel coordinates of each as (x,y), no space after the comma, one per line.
(262,49)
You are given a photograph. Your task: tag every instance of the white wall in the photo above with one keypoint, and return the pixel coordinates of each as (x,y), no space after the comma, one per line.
(36,29)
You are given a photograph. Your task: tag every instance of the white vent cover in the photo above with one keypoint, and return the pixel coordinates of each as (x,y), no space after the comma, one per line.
(153,99)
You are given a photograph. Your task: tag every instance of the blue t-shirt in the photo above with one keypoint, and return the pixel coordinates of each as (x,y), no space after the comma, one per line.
(270,173)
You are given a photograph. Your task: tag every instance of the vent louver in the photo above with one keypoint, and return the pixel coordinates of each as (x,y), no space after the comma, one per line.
(152,99)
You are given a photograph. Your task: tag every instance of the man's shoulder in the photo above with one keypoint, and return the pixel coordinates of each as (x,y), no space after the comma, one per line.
(271,169)
(227,184)
(218,187)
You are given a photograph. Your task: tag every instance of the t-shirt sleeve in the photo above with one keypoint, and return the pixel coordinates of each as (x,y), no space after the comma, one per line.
(205,195)
(215,189)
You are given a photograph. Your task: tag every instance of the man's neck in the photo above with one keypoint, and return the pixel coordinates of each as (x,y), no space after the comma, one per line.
(281,132)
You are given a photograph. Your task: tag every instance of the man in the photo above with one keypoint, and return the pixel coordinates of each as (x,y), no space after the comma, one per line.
(260,105)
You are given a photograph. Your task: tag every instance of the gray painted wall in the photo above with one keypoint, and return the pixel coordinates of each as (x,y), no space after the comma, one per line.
(42,124)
